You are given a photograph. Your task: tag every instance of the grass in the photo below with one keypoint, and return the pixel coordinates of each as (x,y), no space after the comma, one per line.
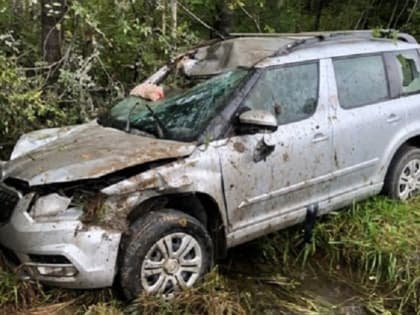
(15,292)
(212,296)
(380,241)
(363,260)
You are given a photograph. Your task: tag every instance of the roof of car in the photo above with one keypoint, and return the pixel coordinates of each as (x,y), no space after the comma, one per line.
(261,50)
(339,47)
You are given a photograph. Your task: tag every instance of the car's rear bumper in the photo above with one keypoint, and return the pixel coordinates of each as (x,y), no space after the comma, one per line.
(63,253)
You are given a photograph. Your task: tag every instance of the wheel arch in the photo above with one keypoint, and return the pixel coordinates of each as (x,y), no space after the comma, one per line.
(199,205)
(413,139)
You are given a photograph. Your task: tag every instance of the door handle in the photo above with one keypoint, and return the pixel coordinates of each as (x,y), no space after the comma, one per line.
(319,137)
(393,118)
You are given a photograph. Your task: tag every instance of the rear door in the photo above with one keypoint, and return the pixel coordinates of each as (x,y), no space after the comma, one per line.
(366,120)
(407,81)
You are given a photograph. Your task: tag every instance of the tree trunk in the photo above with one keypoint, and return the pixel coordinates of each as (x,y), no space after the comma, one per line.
(317,22)
(223,18)
(16,7)
(164,9)
(174,17)
(51,34)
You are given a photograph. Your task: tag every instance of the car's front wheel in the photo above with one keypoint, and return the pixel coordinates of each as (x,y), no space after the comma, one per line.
(403,179)
(165,251)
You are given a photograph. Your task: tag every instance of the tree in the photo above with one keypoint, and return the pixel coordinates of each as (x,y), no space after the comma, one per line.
(318,14)
(52,13)
(174,17)
(223,19)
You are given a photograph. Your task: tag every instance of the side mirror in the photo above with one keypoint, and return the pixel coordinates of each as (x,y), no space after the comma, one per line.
(258,118)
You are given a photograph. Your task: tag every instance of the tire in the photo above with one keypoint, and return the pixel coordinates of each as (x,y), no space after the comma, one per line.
(146,263)
(403,178)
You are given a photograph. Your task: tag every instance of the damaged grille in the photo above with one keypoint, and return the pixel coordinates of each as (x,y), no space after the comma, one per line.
(8,201)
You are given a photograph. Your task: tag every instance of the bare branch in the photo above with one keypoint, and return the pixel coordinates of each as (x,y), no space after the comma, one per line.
(401,13)
(195,17)
(416,2)
(394,11)
(257,25)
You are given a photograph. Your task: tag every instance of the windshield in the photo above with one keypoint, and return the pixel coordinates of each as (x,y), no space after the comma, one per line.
(182,117)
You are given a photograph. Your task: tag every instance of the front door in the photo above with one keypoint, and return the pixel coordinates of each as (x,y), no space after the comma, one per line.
(270,174)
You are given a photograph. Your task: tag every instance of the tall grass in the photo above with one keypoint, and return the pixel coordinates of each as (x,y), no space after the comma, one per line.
(374,244)
(15,293)
(380,240)
(211,296)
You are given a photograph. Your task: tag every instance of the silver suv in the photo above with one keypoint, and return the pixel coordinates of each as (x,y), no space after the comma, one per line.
(264,129)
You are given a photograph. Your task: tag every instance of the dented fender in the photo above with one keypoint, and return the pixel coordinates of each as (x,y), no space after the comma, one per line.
(199,173)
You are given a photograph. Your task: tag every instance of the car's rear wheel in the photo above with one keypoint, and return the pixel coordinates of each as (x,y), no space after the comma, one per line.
(165,251)
(403,179)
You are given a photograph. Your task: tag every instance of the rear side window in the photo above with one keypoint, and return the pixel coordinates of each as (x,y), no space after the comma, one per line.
(290,93)
(408,67)
(360,80)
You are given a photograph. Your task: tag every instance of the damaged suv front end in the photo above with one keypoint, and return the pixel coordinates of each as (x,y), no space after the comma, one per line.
(53,219)
(58,249)
(68,195)
(139,192)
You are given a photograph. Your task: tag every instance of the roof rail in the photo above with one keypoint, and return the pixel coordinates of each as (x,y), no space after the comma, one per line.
(368,34)
(309,38)
(304,34)
(406,38)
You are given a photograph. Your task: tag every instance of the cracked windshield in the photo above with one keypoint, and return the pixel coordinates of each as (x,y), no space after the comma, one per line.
(181,117)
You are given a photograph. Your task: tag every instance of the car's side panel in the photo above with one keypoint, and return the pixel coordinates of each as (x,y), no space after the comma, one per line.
(199,173)
(362,136)
(270,193)
(412,105)
(298,216)
(410,102)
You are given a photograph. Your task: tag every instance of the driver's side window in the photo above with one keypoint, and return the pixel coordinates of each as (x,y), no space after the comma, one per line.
(288,92)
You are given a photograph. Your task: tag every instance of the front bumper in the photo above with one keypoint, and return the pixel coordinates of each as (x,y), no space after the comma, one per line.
(89,250)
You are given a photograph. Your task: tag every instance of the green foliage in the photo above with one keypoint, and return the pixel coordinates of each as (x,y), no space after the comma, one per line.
(23,105)
(17,294)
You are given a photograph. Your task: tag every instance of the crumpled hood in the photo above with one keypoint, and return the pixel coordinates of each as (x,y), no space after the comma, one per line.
(85,152)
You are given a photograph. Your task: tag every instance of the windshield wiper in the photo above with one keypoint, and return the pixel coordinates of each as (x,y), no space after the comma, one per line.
(162,131)
(127,122)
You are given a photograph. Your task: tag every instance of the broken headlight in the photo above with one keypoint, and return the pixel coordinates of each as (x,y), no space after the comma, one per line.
(72,201)
(67,205)
(49,206)
(54,207)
